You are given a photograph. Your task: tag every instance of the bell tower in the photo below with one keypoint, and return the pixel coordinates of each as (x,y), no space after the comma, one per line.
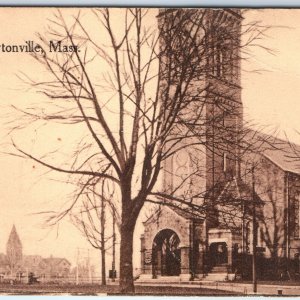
(224,113)
(213,110)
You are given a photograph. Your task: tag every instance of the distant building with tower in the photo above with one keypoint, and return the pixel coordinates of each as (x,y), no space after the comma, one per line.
(15,265)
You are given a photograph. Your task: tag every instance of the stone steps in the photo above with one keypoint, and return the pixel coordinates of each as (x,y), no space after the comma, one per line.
(219,270)
(216,277)
(210,277)
(218,273)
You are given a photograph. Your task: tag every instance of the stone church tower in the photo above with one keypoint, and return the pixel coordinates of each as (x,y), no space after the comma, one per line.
(185,242)
(14,250)
(217,106)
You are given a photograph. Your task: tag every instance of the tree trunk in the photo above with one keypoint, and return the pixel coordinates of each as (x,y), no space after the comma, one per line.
(103,269)
(103,244)
(126,249)
(113,265)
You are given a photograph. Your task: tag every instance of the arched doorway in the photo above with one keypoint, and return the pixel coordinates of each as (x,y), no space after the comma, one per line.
(218,254)
(166,254)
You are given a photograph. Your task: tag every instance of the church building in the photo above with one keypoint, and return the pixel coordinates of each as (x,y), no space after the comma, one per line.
(226,186)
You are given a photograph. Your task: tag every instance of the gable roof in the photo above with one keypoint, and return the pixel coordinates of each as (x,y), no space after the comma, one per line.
(188,213)
(31,260)
(54,261)
(284,154)
(236,191)
(185,212)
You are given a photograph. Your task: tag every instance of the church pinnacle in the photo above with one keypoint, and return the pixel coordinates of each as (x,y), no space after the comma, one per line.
(14,246)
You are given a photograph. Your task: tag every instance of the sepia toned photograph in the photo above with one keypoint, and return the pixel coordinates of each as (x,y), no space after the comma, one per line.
(149,151)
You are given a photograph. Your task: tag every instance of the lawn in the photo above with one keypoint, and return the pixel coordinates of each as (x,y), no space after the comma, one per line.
(43,289)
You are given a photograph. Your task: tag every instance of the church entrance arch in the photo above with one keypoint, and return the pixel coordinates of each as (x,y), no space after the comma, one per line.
(166,254)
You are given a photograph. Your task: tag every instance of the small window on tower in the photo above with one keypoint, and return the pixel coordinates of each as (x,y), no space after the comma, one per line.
(224,162)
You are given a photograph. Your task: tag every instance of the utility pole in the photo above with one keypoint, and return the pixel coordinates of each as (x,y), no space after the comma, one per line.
(77,262)
(89,267)
(288,233)
(243,238)
(254,242)
(102,234)
(113,265)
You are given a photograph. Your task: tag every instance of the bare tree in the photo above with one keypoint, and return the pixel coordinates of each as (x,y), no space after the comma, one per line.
(140,97)
(96,213)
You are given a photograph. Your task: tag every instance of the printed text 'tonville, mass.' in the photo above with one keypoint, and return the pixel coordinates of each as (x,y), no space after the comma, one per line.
(31,46)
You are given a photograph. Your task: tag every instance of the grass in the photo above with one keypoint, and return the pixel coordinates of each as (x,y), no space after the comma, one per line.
(71,289)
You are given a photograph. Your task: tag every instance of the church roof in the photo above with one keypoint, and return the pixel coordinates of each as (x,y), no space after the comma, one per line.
(283,153)
(234,203)
(14,239)
(231,191)
(188,213)
(285,158)
(236,191)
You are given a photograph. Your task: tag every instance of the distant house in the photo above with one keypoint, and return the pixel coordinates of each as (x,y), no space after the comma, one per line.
(14,264)
(55,267)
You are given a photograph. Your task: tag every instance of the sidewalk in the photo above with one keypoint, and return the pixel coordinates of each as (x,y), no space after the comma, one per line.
(241,288)
(247,288)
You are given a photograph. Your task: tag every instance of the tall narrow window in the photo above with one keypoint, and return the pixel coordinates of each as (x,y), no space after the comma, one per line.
(296,206)
(219,59)
(224,162)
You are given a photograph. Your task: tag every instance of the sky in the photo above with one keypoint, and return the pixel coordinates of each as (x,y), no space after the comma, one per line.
(270,97)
